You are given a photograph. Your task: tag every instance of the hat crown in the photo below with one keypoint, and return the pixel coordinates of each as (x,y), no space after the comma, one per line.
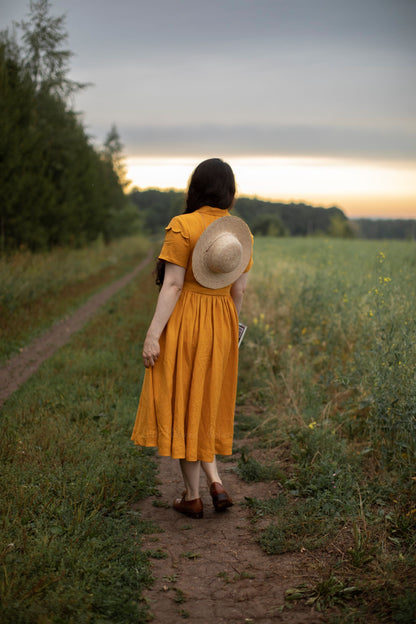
(224,254)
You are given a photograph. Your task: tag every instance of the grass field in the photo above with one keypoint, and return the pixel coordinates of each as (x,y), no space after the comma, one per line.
(37,289)
(329,413)
(332,338)
(70,542)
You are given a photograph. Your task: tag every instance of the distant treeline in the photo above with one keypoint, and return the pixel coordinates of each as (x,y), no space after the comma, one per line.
(292,219)
(399,229)
(265,218)
(55,187)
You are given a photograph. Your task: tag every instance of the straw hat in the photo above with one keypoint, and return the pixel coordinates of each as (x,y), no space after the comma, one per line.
(222,252)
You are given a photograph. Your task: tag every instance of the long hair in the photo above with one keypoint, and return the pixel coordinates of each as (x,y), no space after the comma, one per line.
(159,273)
(211,184)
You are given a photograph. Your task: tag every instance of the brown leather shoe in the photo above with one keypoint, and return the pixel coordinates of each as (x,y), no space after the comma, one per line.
(192,508)
(220,497)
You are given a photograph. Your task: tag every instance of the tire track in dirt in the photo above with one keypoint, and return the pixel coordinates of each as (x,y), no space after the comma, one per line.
(213,570)
(20,367)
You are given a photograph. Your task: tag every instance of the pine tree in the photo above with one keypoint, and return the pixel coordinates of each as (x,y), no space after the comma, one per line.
(45,59)
(113,155)
(55,188)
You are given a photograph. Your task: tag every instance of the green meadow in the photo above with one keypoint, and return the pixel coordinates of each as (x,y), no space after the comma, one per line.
(332,341)
(70,539)
(37,289)
(329,414)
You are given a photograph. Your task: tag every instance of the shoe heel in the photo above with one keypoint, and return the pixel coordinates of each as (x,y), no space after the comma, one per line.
(221,502)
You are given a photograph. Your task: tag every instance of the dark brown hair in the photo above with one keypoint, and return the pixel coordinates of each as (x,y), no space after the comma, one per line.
(211,184)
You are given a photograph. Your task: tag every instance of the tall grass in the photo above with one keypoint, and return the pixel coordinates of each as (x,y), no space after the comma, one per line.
(25,276)
(70,538)
(332,338)
(333,324)
(36,289)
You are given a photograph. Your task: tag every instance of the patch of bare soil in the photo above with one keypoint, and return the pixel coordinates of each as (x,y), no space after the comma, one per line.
(22,366)
(214,571)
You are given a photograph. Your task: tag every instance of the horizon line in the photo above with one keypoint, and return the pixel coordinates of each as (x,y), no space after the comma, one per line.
(279,201)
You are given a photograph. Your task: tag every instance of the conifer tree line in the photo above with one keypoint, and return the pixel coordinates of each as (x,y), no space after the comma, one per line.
(55,187)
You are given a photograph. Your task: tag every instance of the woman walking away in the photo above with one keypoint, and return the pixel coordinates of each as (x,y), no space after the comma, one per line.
(190,352)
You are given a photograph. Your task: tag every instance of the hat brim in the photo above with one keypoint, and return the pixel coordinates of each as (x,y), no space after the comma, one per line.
(201,271)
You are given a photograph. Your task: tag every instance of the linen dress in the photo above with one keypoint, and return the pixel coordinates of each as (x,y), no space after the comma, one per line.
(187,402)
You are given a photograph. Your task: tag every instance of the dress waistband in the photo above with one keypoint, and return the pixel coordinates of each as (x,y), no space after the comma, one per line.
(214,292)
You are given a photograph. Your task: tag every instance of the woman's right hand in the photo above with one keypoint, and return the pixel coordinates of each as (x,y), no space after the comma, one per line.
(151,351)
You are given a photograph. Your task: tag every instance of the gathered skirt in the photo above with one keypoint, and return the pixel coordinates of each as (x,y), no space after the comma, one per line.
(187,402)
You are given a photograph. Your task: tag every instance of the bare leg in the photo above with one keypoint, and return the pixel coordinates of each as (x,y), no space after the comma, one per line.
(190,473)
(211,472)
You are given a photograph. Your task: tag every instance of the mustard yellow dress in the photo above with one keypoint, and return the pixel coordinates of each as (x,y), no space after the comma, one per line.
(187,402)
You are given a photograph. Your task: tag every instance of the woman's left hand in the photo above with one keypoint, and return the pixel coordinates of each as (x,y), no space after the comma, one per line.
(151,351)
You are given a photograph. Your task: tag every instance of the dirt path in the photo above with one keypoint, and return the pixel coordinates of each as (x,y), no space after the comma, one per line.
(213,571)
(22,366)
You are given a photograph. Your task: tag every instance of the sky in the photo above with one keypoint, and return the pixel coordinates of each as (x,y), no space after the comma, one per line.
(308,100)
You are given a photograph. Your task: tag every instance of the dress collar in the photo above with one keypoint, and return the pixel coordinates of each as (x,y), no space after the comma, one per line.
(215,212)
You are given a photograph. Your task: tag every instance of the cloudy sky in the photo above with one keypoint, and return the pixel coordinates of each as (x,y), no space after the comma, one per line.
(310,100)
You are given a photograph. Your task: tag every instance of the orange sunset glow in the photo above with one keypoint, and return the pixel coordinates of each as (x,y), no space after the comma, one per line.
(359,188)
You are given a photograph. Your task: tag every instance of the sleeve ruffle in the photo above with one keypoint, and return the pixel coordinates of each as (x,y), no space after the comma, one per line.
(178,227)
(177,245)
(177,230)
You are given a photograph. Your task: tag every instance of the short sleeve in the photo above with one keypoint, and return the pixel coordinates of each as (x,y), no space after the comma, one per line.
(177,245)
